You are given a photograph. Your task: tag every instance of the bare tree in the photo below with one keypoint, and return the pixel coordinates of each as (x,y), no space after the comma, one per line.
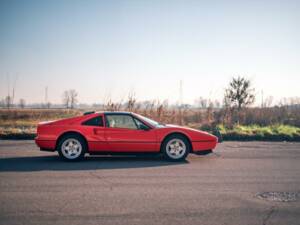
(202,102)
(73,98)
(268,102)
(48,105)
(130,105)
(22,103)
(70,98)
(66,99)
(239,94)
(2,103)
(112,106)
(8,101)
(217,103)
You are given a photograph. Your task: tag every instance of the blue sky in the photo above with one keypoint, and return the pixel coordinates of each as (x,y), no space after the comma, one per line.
(110,48)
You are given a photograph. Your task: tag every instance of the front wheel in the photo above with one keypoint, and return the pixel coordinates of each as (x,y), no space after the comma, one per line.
(175,148)
(72,148)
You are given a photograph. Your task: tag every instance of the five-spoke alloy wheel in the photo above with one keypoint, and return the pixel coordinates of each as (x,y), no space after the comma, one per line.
(72,147)
(175,147)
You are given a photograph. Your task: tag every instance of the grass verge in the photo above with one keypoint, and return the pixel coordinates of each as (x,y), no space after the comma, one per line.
(276,132)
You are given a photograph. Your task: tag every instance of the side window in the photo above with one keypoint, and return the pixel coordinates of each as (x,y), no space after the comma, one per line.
(140,124)
(96,121)
(120,121)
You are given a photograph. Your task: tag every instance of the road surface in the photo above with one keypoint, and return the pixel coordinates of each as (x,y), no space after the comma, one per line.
(220,188)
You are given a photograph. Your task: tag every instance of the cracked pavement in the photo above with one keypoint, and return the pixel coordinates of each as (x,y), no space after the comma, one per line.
(37,188)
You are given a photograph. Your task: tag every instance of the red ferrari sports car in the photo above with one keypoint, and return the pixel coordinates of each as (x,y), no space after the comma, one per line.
(120,132)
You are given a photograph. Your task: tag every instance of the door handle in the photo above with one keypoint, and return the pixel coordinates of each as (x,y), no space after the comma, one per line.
(98,131)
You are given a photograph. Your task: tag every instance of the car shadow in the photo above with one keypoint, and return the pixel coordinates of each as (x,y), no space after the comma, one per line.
(53,163)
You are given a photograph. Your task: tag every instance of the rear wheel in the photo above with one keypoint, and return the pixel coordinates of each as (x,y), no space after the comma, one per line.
(72,147)
(175,147)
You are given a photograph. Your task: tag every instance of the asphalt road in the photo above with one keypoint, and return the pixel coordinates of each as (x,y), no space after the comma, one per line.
(220,188)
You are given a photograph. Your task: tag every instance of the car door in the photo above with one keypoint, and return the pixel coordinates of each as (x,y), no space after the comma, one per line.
(123,134)
(93,129)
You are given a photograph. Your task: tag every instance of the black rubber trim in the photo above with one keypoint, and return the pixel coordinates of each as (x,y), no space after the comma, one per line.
(47,150)
(127,141)
(154,152)
(44,140)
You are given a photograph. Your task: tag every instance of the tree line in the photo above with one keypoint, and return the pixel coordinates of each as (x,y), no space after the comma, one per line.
(239,94)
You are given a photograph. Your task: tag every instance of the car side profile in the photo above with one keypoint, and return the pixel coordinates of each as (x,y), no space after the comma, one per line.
(117,133)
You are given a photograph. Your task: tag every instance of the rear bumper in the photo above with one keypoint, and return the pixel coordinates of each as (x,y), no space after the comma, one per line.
(45,145)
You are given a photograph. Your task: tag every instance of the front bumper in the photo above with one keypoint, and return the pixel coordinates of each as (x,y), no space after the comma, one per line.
(203,145)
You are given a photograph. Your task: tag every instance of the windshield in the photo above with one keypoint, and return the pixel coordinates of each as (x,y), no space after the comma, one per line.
(150,121)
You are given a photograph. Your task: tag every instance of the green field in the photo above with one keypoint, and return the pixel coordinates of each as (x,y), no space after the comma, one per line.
(276,132)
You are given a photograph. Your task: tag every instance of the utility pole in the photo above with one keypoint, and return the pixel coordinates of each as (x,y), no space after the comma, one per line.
(47,103)
(8,98)
(8,85)
(46,95)
(180,101)
(262,99)
(14,89)
(180,93)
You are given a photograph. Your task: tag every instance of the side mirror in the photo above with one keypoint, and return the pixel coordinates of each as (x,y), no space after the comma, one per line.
(143,127)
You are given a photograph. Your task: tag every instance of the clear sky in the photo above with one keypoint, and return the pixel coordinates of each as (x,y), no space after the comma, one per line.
(109,48)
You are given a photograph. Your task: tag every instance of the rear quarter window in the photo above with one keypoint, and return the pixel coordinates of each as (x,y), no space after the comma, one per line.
(96,121)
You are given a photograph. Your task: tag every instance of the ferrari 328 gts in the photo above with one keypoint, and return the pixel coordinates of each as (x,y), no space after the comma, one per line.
(120,132)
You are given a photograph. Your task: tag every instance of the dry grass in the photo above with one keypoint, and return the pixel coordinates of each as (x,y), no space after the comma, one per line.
(279,123)
(21,123)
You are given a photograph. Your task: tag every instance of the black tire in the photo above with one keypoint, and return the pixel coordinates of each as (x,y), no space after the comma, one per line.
(77,140)
(165,147)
